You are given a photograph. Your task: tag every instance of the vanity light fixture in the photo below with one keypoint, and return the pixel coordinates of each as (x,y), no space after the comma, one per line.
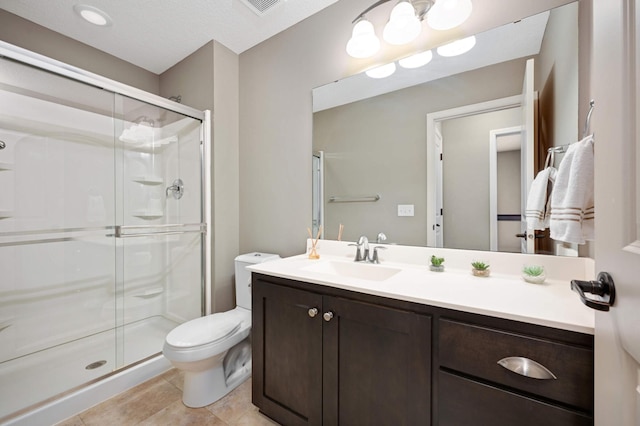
(382,71)
(457,47)
(416,61)
(405,23)
(93,15)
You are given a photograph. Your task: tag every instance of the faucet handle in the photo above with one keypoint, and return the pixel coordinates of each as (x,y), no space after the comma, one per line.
(375,259)
(358,254)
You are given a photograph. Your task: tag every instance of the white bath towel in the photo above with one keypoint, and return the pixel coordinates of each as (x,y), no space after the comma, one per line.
(572,207)
(537,210)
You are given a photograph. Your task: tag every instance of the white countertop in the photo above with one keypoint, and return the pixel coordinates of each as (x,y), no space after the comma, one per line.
(506,295)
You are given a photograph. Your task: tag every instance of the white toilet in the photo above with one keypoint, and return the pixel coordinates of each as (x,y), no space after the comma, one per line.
(214,351)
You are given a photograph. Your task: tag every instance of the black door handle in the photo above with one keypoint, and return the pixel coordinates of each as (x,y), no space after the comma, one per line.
(604,287)
(524,235)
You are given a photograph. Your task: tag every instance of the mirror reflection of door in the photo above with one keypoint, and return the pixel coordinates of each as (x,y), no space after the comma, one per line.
(466,212)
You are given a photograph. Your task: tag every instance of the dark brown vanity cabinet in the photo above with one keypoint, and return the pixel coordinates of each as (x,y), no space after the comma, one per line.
(321,359)
(326,356)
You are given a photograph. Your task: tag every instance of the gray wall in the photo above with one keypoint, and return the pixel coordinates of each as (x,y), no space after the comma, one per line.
(557,79)
(276,79)
(208,79)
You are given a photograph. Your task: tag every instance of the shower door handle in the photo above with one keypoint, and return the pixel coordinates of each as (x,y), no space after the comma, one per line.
(125,231)
(177,189)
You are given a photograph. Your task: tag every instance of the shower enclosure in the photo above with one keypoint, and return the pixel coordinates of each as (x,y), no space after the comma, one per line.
(102,226)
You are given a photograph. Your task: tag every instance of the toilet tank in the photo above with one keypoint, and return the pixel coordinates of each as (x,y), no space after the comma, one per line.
(243,276)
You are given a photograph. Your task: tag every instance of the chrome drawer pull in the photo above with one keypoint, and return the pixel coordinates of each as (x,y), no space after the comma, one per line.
(526,367)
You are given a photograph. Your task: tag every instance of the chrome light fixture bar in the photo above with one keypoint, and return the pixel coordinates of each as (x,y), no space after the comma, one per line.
(405,23)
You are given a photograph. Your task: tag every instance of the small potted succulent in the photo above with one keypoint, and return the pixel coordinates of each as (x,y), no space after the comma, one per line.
(480,269)
(437,264)
(533,274)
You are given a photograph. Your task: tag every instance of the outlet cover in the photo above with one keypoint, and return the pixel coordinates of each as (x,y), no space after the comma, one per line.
(405,209)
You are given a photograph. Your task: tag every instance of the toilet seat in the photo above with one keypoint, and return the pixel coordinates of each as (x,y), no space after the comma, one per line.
(204,331)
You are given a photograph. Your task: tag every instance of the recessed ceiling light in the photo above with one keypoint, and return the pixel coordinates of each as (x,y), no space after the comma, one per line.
(93,15)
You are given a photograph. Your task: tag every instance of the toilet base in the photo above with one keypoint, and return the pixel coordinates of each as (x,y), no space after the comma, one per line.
(206,387)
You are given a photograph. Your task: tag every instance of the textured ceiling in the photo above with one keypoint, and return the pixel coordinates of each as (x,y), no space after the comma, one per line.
(155,35)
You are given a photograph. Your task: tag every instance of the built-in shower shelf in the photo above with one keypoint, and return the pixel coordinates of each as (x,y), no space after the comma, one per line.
(165,141)
(148,294)
(148,145)
(148,179)
(4,214)
(6,166)
(148,214)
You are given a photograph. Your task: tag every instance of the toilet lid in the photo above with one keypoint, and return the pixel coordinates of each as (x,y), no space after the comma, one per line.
(202,331)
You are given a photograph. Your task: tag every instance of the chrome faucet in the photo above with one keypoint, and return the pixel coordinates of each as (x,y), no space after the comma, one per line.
(362,251)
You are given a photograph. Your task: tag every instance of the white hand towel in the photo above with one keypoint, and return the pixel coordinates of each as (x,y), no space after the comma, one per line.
(537,210)
(572,204)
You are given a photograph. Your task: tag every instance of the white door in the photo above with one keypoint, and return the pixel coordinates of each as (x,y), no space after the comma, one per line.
(526,152)
(617,194)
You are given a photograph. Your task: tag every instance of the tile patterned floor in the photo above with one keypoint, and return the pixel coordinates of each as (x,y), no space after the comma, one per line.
(158,402)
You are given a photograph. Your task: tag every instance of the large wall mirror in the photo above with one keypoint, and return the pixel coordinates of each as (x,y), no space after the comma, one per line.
(377,164)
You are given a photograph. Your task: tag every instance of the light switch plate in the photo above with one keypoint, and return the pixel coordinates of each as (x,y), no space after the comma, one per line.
(405,209)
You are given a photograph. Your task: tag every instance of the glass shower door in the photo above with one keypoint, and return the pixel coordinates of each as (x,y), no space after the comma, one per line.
(160,227)
(57,294)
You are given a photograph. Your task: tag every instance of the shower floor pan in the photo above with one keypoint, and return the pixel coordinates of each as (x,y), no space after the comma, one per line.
(31,379)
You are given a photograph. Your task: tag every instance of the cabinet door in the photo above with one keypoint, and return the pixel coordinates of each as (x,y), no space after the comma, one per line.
(287,354)
(377,365)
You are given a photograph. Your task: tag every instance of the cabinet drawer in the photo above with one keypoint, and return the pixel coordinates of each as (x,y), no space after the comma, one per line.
(476,350)
(465,402)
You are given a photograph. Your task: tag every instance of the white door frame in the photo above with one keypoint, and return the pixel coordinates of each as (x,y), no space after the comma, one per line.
(432,157)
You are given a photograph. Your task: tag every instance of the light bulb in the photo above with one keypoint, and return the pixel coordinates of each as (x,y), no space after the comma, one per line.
(363,42)
(382,71)
(403,26)
(457,47)
(447,14)
(417,60)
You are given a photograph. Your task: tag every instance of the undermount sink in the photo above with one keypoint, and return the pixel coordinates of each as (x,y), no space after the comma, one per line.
(363,271)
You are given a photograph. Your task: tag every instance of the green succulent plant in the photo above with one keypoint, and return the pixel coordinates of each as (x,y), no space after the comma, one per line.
(533,271)
(437,261)
(480,266)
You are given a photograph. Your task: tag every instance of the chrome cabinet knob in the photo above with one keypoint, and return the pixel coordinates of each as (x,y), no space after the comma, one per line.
(328,316)
(313,312)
